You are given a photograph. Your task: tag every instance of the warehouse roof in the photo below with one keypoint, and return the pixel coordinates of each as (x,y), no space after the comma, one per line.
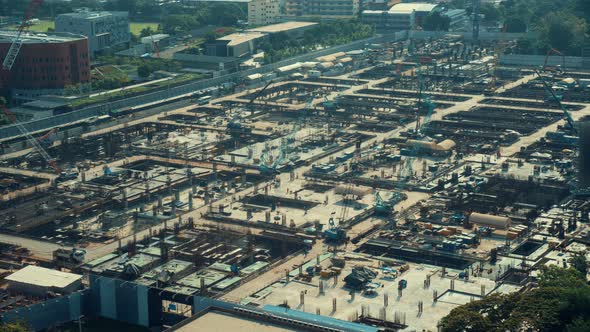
(43,277)
(239,38)
(281,27)
(490,220)
(445,145)
(410,7)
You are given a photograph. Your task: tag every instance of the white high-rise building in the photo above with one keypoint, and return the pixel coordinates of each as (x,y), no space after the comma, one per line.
(263,12)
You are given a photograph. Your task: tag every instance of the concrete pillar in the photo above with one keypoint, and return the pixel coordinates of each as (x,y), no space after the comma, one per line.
(124,198)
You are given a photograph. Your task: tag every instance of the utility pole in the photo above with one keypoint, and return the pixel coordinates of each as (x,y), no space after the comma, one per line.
(476,7)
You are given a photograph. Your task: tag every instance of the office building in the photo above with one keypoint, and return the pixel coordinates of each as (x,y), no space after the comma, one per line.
(46,64)
(262,12)
(105,30)
(322,8)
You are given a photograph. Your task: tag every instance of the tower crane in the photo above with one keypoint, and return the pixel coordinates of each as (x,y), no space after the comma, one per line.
(34,142)
(17,42)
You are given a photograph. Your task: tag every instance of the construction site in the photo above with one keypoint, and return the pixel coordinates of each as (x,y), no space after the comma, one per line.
(424,173)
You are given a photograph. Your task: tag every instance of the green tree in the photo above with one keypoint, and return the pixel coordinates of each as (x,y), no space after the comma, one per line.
(461,320)
(514,25)
(13,327)
(146,32)
(490,12)
(144,71)
(563,31)
(580,263)
(559,304)
(436,22)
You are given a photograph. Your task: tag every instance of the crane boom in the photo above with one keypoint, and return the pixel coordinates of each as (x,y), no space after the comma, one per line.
(17,42)
(34,142)
(553,51)
(568,117)
(257,95)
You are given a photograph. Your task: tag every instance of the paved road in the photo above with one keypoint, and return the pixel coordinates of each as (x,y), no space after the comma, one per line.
(41,249)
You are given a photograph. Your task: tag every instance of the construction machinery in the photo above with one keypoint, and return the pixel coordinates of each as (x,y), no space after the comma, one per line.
(407,170)
(155,46)
(32,140)
(557,69)
(334,234)
(382,207)
(557,99)
(17,42)
(268,164)
(250,105)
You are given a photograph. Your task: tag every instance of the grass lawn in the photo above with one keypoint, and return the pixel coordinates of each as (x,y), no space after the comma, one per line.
(40,26)
(136,27)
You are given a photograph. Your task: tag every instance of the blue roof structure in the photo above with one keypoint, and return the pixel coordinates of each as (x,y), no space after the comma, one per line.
(318,319)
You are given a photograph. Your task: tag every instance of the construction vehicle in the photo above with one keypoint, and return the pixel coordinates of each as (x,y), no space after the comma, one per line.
(32,140)
(334,233)
(382,207)
(17,42)
(235,126)
(329,105)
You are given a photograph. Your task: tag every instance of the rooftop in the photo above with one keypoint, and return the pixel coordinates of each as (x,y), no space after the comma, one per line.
(410,7)
(219,321)
(43,277)
(239,38)
(89,15)
(280,27)
(6,36)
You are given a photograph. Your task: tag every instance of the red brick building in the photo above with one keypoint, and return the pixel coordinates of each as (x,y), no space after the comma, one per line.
(46,64)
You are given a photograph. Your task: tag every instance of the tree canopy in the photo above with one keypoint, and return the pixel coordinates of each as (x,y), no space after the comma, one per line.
(435,21)
(559,303)
(562,25)
(281,45)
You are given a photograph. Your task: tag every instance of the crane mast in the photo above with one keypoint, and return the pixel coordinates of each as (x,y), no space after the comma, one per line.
(17,42)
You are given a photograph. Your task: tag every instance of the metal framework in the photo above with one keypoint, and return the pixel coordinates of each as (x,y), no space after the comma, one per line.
(17,42)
